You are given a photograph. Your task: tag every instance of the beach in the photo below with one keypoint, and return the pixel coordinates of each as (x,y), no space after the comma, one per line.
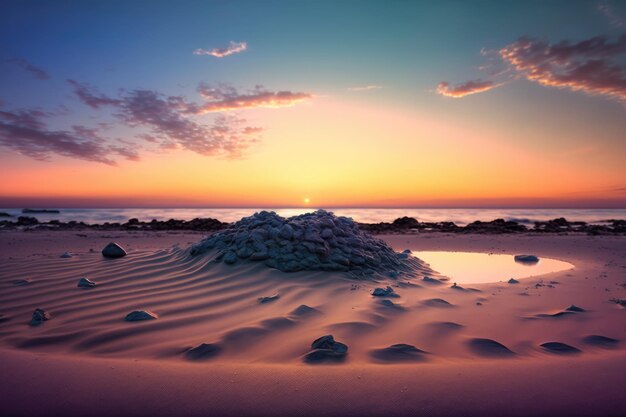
(478,347)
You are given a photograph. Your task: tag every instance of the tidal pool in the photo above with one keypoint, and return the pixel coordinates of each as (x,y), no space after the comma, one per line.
(479,268)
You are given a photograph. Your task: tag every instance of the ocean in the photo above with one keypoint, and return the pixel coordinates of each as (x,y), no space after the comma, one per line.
(364,215)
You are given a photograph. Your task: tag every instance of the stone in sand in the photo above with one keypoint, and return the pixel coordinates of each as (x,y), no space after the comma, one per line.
(39,316)
(22,282)
(113,250)
(304,310)
(432,280)
(203,351)
(139,315)
(575,309)
(526,259)
(490,348)
(600,341)
(66,255)
(325,349)
(384,292)
(268,299)
(86,283)
(400,352)
(513,281)
(559,348)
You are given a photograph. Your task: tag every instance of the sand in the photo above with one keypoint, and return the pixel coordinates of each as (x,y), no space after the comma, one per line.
(87,360)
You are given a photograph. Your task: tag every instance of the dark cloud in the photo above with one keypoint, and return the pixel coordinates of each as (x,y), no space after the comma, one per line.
(465,89)
(232,48)
(223,98)
(583,66)
(35,71)
(168,119)
(25,131)
(88,95)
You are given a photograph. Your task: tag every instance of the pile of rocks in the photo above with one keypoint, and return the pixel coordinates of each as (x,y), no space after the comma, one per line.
(317,241)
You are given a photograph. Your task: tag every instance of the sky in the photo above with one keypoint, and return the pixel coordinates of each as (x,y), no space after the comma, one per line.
(313,103)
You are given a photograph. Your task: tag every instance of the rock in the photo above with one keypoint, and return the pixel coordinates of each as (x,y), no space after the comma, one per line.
(21,282)
(560,348)
(269,299)
(384,292)
(400,352)
(203,351)
(526,259)
(66,255)
(86,283)
(325,349)
(304,310)
(600,341)
(39,316)
(230,257)
(575,309)
(139,315)
(430,280)
(113,250)
(513,281)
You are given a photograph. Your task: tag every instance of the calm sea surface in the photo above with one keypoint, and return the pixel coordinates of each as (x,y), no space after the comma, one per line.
(458,216)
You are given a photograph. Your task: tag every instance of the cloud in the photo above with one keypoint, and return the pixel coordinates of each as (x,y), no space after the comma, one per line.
(88,95)
(607,9)
(224,98)
(232,48)
(25,131)
(583,66)
(169,122)
(35,71)
(365,87)
(465,89)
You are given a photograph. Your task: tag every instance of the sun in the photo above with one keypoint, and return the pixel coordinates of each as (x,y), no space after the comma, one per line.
(307,200)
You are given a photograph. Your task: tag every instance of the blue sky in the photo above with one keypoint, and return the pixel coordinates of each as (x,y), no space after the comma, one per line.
(403,48)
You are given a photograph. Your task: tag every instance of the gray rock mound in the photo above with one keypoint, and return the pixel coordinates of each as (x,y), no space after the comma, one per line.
(113,250)
(317,241)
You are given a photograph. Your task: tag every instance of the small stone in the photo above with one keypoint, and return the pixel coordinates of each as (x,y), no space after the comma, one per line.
(268,299)
(513,281)
(66,255)
(113,250)
(575,308)
(384,292)
(39,316)
(326,348)
(230,257)
(139,315)
(86,283)
(526,259)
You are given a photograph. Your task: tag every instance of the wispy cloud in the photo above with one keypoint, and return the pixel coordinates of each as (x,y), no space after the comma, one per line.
(35,71)
(26,132)
(465,89)
(586,66)
(232,48)
(169,122)
(368,87)
(224,98)
(608,9)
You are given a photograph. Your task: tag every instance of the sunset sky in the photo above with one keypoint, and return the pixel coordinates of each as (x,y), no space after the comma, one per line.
(344,103)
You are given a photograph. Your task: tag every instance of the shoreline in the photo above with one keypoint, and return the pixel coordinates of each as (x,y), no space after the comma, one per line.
(404,225)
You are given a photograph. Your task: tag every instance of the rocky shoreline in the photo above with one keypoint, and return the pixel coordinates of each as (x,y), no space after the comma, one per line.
(408,225)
